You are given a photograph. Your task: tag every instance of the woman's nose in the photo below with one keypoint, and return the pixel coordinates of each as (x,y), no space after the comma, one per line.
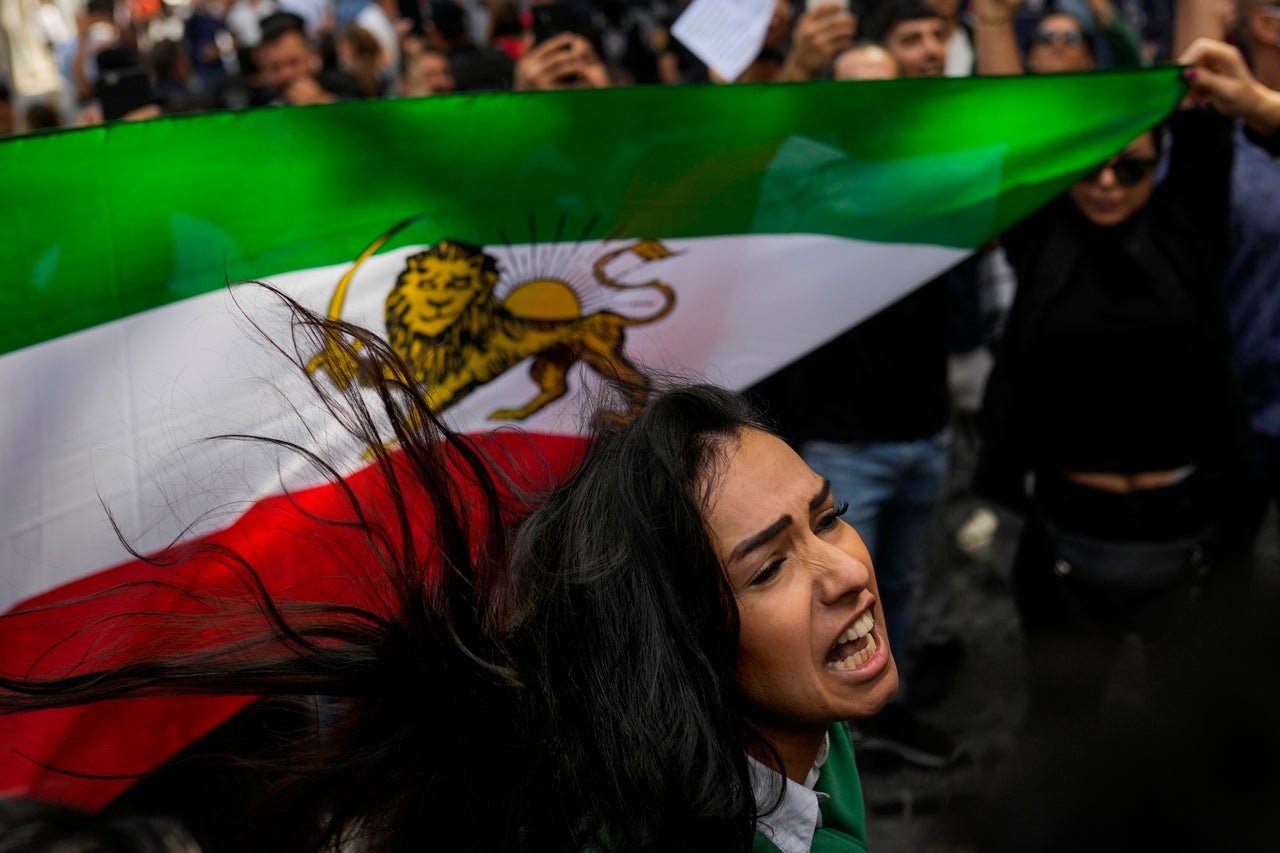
(842,572)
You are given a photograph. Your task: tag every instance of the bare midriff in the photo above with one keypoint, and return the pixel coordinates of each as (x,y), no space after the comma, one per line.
(1107,481)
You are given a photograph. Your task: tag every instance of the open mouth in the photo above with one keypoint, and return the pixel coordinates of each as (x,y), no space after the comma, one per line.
(855,646)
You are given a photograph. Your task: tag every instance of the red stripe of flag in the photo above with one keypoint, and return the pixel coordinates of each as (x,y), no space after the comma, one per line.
(301,557)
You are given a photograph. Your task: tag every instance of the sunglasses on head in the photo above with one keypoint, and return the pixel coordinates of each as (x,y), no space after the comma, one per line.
(1068,38)
(1127,170)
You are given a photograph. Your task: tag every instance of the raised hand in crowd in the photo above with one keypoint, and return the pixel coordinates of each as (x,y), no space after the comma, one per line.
(1103,12)
(994,40)
(1123,42)
(1220,78)
(1194,19)
(566,61)
(817,37)
(306,91)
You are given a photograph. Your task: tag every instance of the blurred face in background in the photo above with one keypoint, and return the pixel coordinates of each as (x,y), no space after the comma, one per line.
(434,75)
(286,60)
(1058,45)
(426,70)
(919,46)
(865,62)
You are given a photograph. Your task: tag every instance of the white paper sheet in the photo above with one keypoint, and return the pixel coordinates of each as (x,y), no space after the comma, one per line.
(725,34)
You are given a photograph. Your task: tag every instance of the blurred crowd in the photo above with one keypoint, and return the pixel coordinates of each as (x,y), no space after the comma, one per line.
(78,62)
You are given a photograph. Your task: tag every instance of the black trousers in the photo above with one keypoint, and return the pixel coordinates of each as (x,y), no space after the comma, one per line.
(1119,775)
(1075,629)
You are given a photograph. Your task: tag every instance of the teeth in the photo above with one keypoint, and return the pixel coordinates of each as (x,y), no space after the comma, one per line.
(858,659)
(860,629)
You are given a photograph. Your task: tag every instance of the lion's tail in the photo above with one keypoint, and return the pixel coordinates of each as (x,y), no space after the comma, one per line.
(335,358)
(647,250)
(340,294)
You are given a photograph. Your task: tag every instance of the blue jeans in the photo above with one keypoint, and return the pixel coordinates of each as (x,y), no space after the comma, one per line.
(892,489)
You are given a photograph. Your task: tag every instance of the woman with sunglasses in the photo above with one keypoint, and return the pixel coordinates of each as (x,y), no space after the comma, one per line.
(659,653)
(1112,420)
(1060,41)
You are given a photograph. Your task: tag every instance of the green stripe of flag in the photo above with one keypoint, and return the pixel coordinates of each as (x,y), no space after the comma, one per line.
(103,222)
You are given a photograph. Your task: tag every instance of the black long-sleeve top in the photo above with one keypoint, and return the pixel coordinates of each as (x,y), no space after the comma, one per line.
(1116,357)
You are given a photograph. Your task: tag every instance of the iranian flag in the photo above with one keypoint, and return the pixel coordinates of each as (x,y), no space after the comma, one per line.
(515,248)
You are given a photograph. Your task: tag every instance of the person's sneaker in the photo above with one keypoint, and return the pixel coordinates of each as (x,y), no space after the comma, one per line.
(897,731)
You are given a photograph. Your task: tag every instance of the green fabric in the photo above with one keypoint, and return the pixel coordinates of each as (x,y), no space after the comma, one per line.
(844,819)
(103,222)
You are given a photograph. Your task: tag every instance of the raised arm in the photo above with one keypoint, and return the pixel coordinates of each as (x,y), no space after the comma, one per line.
(994,41)
(1125,46)
(1220,78)
(818,36)
(1195,19)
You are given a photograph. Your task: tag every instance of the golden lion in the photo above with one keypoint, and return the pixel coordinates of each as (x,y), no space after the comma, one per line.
(444,320)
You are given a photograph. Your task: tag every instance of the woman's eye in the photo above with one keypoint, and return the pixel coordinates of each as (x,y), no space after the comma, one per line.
(767,573)
(829,520)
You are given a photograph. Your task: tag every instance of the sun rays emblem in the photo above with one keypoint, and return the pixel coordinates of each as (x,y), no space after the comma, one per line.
(458,324)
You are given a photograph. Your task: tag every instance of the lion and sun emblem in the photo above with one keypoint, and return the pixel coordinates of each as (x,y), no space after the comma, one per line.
(445,320)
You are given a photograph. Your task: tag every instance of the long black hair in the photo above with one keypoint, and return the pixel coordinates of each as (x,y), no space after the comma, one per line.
(624,611)
(414,674)
(527,672)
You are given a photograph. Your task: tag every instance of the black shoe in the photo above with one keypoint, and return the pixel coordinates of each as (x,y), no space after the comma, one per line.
(897,731)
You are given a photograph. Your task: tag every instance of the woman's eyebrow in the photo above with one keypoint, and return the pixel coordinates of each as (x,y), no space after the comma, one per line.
(821,497)
(754,541)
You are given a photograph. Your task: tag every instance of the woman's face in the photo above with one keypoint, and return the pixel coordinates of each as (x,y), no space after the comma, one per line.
(812,649)
(1121,187)
(1058,45)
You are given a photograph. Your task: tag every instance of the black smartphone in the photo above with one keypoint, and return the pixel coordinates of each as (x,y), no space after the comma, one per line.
(123,90)
(551,19)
